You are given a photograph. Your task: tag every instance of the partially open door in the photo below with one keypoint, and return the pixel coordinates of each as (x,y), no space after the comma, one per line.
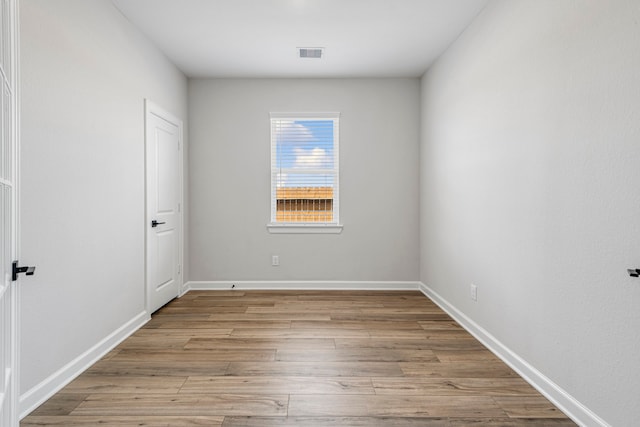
(164,206)
(8,215)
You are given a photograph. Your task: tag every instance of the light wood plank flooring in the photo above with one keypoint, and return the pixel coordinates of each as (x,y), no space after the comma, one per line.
(303,358)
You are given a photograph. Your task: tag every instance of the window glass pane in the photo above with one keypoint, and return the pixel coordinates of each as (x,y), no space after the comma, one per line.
(304,170)
(304,144)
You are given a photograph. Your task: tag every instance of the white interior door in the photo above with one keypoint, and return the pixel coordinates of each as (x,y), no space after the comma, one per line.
(164,200)
(8,217)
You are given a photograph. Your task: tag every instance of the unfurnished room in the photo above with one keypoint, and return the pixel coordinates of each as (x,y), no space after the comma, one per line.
(266,213)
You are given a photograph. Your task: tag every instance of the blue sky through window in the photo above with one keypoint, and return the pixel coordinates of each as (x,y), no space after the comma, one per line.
(304,153)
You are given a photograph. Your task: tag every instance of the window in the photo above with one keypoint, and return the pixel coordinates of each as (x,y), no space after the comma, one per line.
(304,173)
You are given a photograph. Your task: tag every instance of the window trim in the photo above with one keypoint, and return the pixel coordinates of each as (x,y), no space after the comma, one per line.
(304,228)
(333,227)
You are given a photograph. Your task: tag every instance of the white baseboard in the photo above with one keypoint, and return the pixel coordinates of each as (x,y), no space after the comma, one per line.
(304,285)
(33,398)
(557,395)
(184,288)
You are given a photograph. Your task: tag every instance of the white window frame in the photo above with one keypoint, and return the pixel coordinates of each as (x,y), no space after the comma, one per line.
(333,227)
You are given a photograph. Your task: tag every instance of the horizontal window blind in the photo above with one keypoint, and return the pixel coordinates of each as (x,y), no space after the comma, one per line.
(304,168)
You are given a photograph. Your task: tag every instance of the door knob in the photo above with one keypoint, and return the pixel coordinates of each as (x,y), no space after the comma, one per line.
(155,223)
(29,271)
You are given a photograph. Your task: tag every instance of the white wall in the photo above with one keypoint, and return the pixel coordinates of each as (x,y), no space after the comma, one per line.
(85,74)
(530,175)
(230,181)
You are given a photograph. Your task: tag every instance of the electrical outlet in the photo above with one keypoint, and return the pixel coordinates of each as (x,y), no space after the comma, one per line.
(275,260)
(473,292)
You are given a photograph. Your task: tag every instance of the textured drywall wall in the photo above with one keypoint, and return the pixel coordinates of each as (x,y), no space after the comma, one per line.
(229,176)
(530,173)
(85,74)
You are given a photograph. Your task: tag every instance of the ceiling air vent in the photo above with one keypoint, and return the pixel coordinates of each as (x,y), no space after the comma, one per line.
(310,52)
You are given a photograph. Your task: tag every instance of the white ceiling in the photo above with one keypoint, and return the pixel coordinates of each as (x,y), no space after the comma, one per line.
(258,38)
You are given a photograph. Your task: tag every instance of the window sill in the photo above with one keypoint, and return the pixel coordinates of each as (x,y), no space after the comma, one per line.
(304,228)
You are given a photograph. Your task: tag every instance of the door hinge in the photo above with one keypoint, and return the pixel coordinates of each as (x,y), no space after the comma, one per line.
(179,268)
(179,207)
